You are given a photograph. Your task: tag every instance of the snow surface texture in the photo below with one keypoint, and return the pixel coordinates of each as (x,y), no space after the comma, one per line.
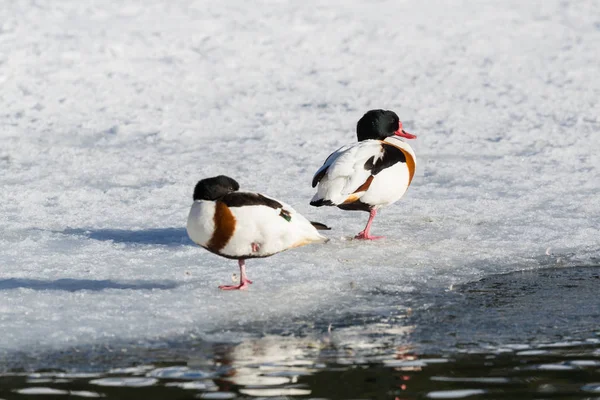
(111,111)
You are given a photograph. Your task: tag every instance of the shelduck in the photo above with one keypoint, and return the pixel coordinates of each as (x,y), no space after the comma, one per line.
(241,225)
(370,174)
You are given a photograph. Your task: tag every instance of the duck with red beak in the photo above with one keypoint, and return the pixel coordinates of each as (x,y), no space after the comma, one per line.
(370,174)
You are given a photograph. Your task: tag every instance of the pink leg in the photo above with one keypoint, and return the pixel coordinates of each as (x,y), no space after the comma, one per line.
(244,281)
(365,234)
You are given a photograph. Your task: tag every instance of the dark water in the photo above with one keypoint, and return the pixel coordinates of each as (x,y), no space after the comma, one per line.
(526,335)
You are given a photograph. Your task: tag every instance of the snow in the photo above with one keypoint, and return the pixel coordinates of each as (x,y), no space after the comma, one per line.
(112,111)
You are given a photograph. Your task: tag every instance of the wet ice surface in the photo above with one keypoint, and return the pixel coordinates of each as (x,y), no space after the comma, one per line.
(112,111)
(553,305)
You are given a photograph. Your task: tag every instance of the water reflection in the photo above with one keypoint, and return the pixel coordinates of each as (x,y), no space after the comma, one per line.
(276,366)
(270,366)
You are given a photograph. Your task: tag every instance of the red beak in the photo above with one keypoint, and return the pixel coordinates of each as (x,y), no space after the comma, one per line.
(404,134)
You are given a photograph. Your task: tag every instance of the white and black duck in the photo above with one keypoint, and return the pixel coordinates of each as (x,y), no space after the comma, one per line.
(370,174)
(240,225)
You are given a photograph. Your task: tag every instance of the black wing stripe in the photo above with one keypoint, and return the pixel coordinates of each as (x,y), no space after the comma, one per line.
(391,155)
(369,163)
(319,176)
(320,226)
(241,199)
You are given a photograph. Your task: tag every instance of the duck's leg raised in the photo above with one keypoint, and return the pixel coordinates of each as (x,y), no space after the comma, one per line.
(244,281)
(365,234)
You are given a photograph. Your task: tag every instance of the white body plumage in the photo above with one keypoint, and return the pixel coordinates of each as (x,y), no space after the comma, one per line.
(345,179)
(250,230)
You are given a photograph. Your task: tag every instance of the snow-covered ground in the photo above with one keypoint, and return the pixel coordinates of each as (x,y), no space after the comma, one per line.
(111,111)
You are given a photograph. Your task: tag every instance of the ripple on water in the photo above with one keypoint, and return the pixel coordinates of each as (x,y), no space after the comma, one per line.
(47,391)
(591,387)
(180,373)
(271,392)
(85,393)
(41,391)
(193,385)
(454,394)
(532,352)
(470,380)
(423,362)
(218,395)
(125,382)
(584,363)
(64,375)
(551,367)
(137,370)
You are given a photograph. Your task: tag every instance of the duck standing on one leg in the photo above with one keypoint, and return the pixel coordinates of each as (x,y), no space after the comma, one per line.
(370,174)
(241,225)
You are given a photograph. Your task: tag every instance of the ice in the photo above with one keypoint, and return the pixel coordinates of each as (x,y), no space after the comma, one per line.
(112,111)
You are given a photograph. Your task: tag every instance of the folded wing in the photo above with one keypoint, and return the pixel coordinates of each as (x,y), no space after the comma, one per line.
(346,173)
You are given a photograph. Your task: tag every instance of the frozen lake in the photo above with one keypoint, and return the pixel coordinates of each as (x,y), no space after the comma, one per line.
(112,111)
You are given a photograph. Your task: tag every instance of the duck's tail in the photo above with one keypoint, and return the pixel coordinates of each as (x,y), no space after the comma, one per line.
(319,226)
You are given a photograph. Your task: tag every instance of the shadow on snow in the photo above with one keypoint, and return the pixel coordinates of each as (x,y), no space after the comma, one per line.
(74,285)
(160,236)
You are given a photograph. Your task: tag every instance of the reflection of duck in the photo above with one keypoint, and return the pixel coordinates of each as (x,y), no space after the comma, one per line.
(406,353)
(370,174)
(241,225)
(268,366)
(284,365)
